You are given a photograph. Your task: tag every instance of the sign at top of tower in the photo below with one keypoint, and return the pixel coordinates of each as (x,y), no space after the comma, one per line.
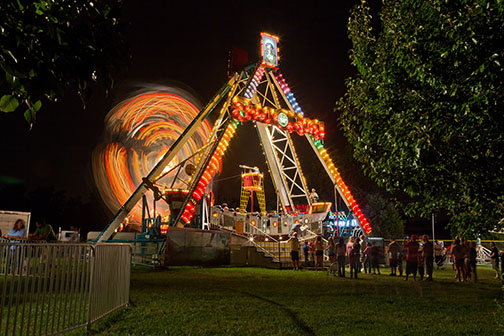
(269,50)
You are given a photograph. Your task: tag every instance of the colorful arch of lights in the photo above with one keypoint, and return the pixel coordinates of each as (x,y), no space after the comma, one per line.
(244,111)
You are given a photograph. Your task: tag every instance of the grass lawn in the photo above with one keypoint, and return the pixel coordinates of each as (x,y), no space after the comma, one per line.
(253,301)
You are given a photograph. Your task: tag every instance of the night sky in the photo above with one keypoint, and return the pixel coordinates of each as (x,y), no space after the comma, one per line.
(187,45)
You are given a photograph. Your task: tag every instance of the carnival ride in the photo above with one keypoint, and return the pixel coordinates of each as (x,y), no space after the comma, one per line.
(181,172)
(139,131)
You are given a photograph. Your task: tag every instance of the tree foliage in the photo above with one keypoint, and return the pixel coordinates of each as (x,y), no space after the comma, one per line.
(385,217)
(48,47)
(424,112)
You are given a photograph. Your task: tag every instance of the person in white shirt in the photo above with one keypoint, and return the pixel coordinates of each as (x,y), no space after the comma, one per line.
(314,196)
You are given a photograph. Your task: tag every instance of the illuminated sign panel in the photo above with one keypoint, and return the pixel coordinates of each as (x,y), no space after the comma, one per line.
(283,119)
(269,50)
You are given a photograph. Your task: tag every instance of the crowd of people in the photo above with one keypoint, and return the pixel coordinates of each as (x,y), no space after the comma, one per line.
(419,257)
(358,254)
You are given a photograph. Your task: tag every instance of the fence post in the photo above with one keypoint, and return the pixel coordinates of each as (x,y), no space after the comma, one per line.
(91,283)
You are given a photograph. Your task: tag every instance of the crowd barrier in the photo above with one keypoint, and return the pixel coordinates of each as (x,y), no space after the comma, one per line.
(51,288)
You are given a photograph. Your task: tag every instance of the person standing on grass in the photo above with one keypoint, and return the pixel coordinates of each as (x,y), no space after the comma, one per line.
(393,252)
(400,258)
(472,261)
(421,263)
(319,253)
(306,253)
(340,255)
(354,258)
(294,247)
(349,247)
(362,243)
(311,247)
(411,257)
(459,254)
(367,258)
(375,258)
(331,250)
(357,248)
(428,256)
(494,257)
(438,254)
(450,254)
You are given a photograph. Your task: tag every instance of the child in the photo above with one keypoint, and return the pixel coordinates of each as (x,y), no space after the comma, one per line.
(311,250)
(306,253)
(354,259)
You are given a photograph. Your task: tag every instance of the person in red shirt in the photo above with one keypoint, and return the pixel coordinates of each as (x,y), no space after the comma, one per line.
(412,247)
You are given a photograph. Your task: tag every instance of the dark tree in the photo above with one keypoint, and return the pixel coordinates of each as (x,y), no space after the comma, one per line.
(49,47)
(384,215)
(424,112)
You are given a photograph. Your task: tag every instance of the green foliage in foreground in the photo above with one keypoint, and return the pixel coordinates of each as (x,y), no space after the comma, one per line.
(48,47)
(251,301)
(424,112)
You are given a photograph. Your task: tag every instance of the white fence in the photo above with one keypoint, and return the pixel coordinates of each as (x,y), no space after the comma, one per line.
(47,288)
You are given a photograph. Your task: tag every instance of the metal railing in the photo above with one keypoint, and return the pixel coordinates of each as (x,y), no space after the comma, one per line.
(51,288)
(260,247)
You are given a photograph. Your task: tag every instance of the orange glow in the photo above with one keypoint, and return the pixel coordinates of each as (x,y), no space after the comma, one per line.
(243,110)
(141,130)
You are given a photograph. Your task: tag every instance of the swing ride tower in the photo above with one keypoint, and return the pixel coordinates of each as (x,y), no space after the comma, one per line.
(259,94)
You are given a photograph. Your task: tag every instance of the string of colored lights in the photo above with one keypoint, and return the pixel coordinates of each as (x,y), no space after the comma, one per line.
(210,171)
(325,156)
(142,129)
(343,187)
(243,110)
(254,82)
(287,91)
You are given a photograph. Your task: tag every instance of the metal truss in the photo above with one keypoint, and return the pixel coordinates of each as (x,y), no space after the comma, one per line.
(288,164)
(278,148)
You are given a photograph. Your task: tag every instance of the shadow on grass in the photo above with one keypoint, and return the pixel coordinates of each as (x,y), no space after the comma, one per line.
(292,315)
(112,319)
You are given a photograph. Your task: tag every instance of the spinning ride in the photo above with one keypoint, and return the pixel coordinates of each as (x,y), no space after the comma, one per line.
(257,93)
